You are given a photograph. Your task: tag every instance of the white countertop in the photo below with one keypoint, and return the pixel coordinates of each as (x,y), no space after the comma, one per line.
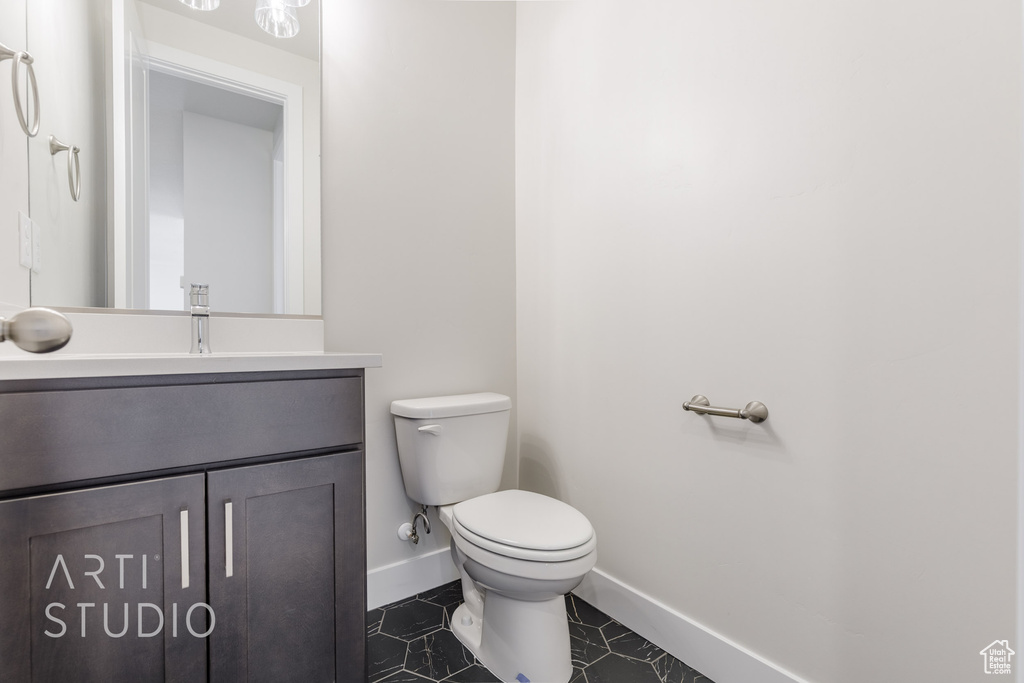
(29,366)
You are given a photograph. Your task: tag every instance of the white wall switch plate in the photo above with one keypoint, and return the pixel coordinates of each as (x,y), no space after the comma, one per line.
(25,240)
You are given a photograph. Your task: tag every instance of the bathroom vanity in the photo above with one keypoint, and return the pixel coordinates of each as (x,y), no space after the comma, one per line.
(194,520)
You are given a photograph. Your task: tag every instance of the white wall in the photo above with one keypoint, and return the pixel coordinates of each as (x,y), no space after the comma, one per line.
(71,69)
(811,204)
(418,229)
(14,279)
(228,202)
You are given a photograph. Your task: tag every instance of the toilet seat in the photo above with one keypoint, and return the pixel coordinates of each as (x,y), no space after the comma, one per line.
(530,554)
(524,525)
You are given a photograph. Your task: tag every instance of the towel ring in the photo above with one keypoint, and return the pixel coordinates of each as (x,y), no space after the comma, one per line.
(21,57)
(74,166)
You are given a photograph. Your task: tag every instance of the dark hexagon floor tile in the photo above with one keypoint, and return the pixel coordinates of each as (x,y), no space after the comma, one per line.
(412,619)
(636,647)
(473,674)
(449,610)
(615,669)
(613,630)
(438,655)
(373,619)
(586,644)
(395,632)
(448,594)
(404,677)
(582,612)
(672,670)
(385,655)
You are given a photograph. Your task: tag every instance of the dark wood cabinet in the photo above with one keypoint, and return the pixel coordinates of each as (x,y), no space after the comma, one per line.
(284,582)
(229,568)
(76,565)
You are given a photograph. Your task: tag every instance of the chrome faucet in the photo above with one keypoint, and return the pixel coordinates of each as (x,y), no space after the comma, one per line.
(199,299)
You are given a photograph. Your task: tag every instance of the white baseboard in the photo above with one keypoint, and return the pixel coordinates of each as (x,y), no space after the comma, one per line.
(715,656)
(405,579)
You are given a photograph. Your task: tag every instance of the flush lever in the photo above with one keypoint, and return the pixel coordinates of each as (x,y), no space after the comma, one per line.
(430,429)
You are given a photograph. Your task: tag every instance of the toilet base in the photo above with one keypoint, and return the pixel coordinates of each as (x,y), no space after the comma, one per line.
(518,640)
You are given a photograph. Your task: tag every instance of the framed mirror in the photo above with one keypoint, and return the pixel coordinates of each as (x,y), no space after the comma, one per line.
(198,141)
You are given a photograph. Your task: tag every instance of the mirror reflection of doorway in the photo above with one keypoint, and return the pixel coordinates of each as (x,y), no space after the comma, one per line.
(216,190)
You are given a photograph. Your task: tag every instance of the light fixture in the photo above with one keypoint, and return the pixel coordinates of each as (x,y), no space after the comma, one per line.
(203,5)
(295,3)
(277,18)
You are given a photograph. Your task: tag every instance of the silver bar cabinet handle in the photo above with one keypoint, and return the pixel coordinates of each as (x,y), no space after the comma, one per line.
(183,520)
(229,540)
(755,411)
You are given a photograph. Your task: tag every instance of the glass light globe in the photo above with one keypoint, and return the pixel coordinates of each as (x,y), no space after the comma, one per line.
(277,18)
(203,5)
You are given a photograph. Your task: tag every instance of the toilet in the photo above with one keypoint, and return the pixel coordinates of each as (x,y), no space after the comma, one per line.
(518,552)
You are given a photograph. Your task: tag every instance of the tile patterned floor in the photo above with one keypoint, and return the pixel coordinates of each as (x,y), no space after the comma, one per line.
(411,641)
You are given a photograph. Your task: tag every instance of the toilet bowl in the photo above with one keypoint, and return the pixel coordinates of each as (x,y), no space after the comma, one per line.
(518,552)
(525,551)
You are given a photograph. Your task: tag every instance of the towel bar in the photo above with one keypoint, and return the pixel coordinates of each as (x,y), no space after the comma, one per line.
(755,411)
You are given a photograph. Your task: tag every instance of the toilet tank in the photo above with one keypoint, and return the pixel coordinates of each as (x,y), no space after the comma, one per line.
(451,448)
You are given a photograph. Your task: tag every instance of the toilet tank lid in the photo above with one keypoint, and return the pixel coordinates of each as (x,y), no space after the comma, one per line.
(451,406)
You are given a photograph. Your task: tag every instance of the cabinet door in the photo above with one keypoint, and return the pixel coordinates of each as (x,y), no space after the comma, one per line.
(93,585)
(287,571)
